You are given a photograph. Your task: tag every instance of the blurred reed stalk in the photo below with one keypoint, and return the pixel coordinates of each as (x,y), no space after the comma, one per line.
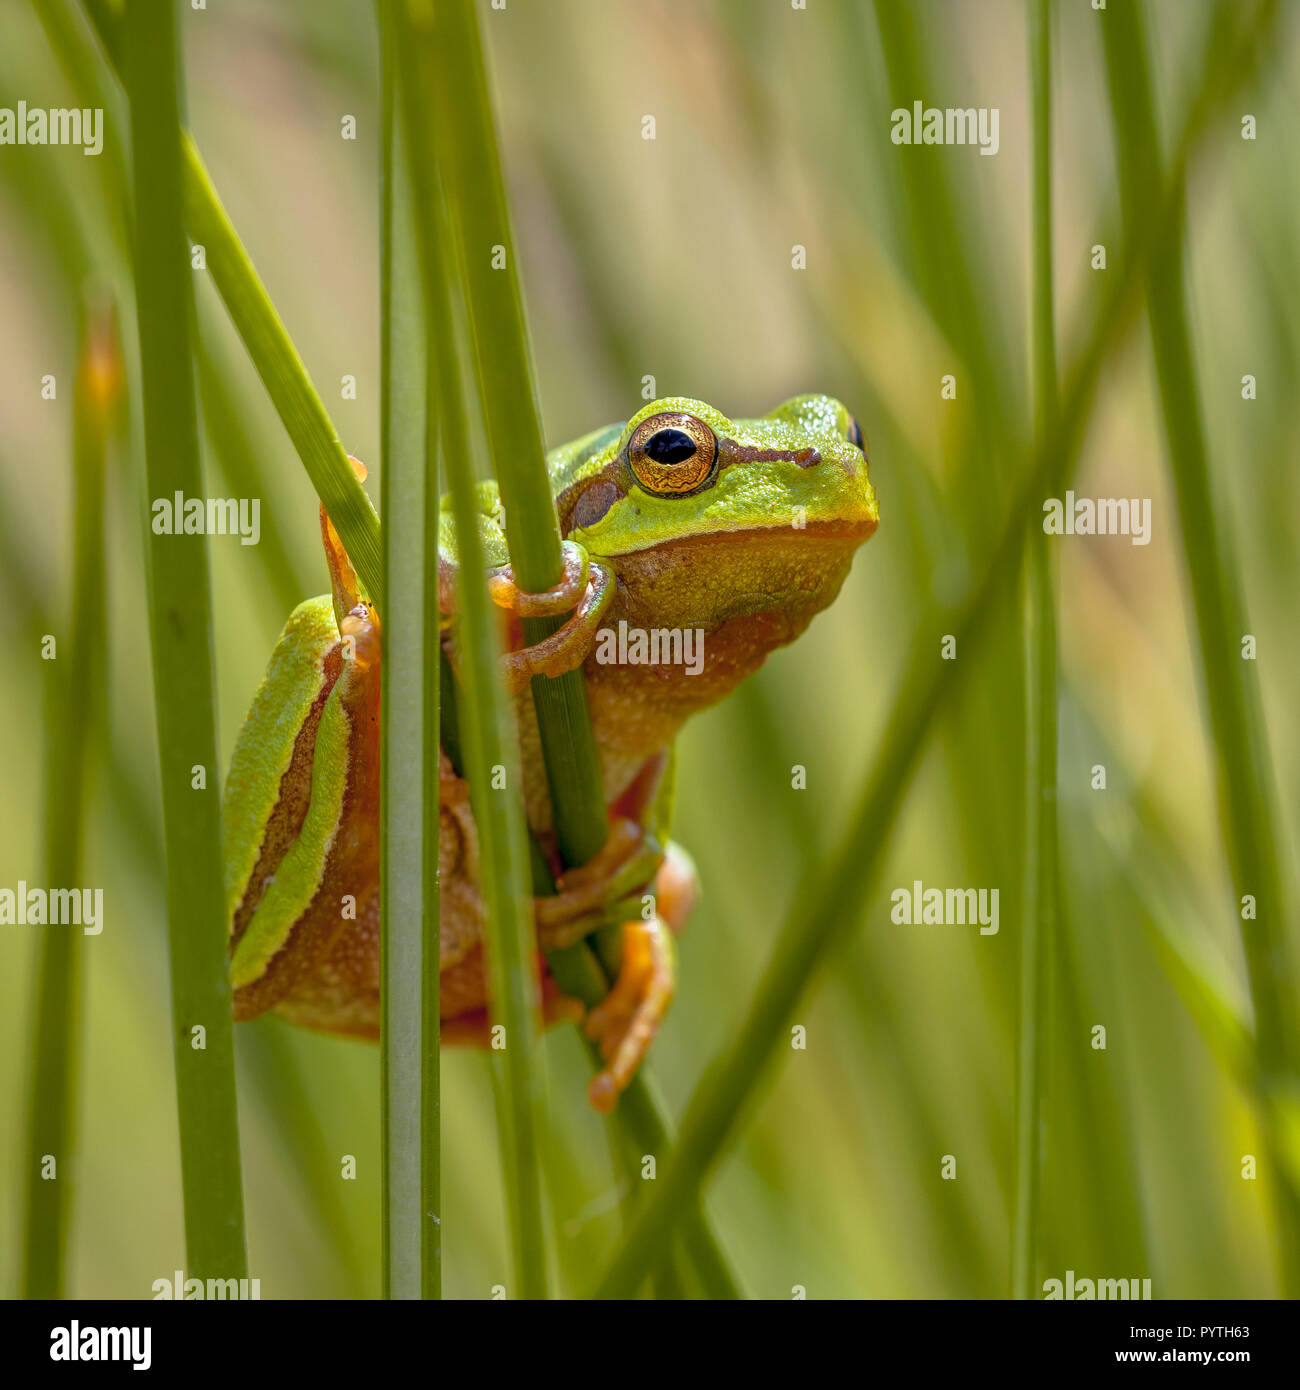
(269,346)
(74,721)
(1239,750)
(831,894)
(1041,887)
(409,938)
(180,630)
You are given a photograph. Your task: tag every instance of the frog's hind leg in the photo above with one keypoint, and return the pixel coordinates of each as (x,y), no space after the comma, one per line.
(625,1022)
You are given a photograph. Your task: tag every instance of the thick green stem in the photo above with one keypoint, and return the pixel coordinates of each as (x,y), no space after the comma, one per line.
(180,629)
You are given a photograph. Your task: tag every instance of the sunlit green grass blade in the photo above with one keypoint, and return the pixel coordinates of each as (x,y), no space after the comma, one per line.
(1242,761)
(1041,886)
(273,353)
(74,718)
(486,721)
(180,617)
(832,892)
(409,933)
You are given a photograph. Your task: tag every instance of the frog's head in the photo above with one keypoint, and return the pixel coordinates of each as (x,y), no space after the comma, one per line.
(705,519)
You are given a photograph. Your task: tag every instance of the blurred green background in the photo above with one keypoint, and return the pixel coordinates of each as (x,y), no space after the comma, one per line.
(672,258)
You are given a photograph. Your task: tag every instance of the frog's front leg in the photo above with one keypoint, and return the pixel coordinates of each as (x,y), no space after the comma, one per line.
(586,590)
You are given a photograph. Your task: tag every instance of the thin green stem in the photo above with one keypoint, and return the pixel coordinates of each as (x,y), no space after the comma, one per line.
(1240,748)
(75,716)
(180,629)
(431,1089)
(1040,888)
(409,1135)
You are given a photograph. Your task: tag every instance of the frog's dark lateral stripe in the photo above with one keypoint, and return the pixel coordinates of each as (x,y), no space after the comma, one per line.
(729,453)
(285,822)
(584,503)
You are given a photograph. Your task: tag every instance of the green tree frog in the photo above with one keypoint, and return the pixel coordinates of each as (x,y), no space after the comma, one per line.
(693,546)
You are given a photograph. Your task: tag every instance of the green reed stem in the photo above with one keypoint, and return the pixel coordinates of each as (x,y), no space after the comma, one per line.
(180,629)
(1041,859)
(409,927)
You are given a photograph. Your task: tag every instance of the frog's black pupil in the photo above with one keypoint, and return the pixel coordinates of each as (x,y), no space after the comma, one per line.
(855,434)
(670,446)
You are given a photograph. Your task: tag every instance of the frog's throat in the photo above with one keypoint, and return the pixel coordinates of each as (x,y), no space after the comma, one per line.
(705,580)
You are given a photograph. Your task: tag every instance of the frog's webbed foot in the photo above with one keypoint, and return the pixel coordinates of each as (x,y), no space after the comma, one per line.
(605,890)
(625,1022)
(586,589)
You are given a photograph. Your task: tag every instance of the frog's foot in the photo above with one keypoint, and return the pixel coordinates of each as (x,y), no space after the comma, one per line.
(586,589)
(625,1022)
(605,890)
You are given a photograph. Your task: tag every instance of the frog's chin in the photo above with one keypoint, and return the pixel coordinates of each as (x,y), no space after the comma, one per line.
(706,580)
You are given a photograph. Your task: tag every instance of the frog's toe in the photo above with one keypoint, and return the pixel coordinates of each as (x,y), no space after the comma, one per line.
(589,586)
(625,1022)
(588,897)
(561,598)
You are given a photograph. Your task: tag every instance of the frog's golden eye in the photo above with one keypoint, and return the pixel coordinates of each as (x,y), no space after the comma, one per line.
(673,455)
(856,437)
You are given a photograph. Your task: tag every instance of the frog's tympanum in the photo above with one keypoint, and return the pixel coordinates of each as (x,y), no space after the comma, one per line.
(693,546)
